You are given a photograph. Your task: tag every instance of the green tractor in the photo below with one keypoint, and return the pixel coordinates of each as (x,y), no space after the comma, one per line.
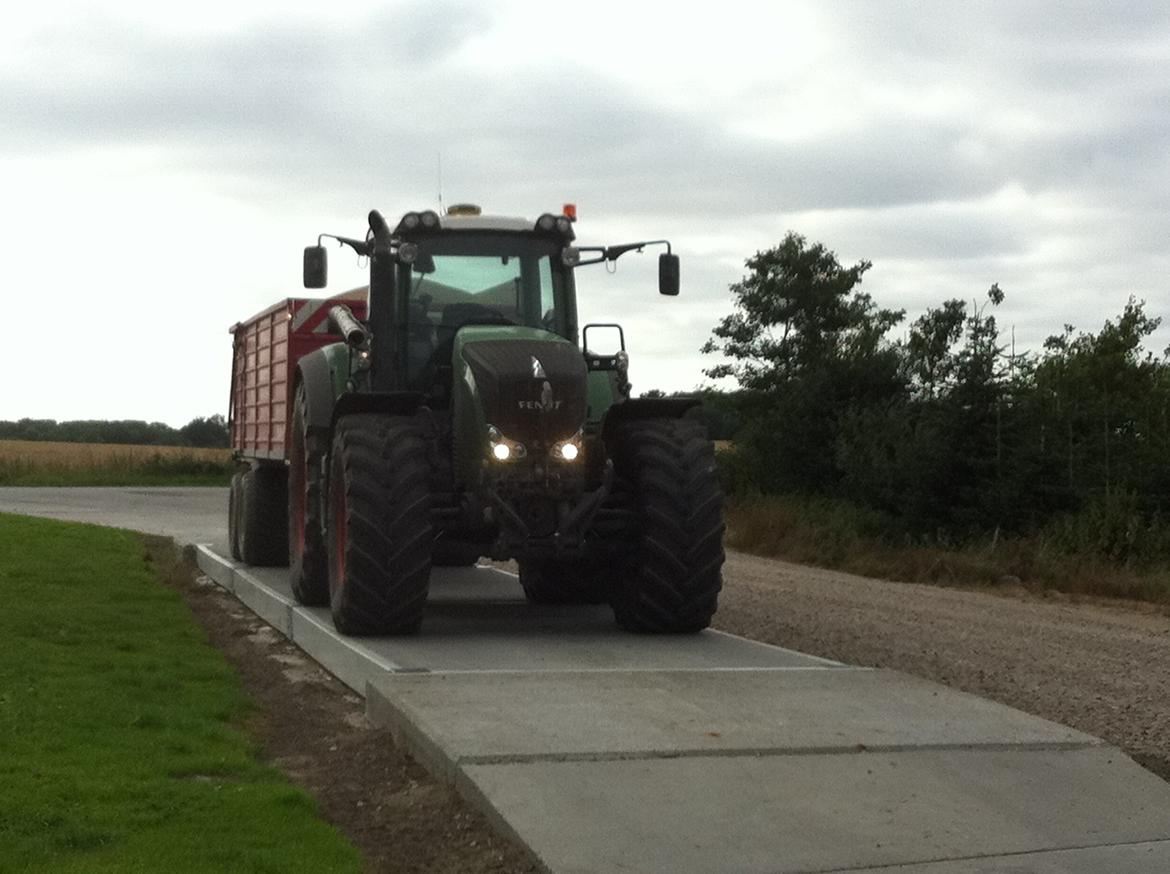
(463,419)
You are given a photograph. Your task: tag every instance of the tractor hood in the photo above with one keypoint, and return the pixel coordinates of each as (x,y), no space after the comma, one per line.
(530,383)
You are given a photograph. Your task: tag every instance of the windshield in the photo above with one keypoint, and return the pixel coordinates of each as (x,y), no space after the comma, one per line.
(480,279)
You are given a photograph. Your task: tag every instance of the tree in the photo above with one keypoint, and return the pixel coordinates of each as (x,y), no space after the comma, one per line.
(210,431)
(806,347)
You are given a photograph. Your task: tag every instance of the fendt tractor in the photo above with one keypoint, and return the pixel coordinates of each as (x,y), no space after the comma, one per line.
(448,412)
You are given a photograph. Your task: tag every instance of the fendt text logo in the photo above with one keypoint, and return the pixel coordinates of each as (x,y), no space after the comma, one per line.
(546,404)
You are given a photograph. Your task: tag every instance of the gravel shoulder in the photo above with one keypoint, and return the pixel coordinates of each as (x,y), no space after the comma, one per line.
(1101,667)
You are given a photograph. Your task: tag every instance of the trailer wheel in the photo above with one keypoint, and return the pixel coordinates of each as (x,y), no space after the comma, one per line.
(308,576)
(234,515)
(379,536)
(554,581)
(262,507)
(671,581)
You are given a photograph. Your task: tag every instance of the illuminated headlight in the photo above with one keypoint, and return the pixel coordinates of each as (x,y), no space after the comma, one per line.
(568,450)
(363,360)
(503,449)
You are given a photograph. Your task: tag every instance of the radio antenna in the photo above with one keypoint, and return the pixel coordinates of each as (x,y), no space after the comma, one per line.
(440,160)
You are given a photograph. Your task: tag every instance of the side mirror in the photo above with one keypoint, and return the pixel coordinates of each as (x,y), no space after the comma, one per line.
(316,266)
(668,274)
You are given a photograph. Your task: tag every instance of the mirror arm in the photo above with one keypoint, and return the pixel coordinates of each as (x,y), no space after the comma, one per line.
(612,253)
(359,246)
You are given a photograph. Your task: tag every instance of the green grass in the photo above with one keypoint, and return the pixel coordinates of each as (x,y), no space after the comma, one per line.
(120,740)
(839,535)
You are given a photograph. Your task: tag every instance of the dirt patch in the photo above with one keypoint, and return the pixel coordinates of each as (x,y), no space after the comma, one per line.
(315,730)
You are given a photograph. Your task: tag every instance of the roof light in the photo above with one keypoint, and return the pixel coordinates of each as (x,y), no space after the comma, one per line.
(547,222)
(409,222)
(429,219)
(570,211)
(456,209)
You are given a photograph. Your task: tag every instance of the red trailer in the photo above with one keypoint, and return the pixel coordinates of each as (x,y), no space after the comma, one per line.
(266,349)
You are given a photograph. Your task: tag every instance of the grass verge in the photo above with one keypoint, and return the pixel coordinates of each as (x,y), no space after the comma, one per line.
(120,739)
(838,535)
(33,463)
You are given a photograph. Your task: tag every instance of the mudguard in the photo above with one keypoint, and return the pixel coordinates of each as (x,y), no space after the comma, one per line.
(645,408)
(316,375)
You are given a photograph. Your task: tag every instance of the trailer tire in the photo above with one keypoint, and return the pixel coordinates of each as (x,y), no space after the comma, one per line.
(234,515)
(307,562)
(262,506)
(380,535)
(554,581)
(671,581)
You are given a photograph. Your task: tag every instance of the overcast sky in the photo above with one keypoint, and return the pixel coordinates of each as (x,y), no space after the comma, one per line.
(163,166)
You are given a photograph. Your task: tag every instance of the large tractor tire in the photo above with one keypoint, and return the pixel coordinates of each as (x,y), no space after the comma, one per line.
(234,514)
(670,583)
(379,535)
(561,582)
(307,559)
(261,508)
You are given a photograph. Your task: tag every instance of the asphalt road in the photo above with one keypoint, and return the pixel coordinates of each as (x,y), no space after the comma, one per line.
(189,515)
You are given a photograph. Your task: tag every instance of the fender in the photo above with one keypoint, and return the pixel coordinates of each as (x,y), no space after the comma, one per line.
(316,375)
(645,408)
(394,403)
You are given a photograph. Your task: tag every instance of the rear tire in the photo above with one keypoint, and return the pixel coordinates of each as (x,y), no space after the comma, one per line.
(380,535)
(307,560)
(671,582)
(261,526)
(561,582)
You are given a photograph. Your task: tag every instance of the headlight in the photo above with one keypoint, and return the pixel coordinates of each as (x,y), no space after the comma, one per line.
(503,449)
(568,450)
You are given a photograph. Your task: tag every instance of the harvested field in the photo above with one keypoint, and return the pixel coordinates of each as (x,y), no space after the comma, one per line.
(32,463)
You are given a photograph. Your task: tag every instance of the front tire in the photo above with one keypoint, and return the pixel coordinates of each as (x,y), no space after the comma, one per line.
(379,535)
(671,582)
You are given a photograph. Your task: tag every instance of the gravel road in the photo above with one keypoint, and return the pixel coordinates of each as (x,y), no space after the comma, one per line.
(1101,668)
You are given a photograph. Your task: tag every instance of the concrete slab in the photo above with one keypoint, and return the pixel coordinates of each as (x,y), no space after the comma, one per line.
(821,813)
(573,715)
(498,632)
(347,658)
(220,569)
(1143,858)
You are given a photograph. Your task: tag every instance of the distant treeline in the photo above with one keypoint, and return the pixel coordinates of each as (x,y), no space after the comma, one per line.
(211,431)
(948,434)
